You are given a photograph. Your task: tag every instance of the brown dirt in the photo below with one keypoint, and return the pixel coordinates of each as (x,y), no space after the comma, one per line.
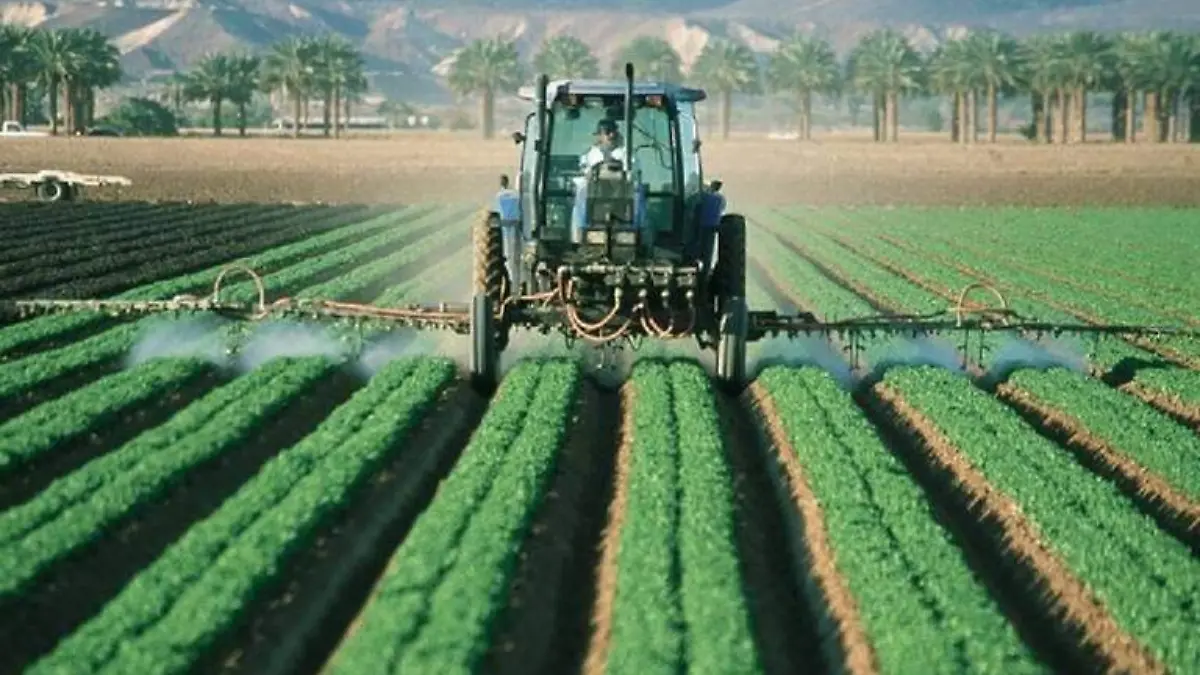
(596,657)
(1071,605)
(456,166)
(852,651)
(785,629)
(546,625)
(1175,510)
(1185,413)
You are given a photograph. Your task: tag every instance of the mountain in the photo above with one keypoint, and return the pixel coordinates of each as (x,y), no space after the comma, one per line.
(408,45)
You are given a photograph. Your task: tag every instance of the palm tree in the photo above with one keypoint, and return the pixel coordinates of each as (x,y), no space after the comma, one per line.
(1131,56)
(1044,76)
(287,69)
(566,57)
(99,67)
(57,58)
(1086,57)
(949,73)
(804,66)
(485,67)
(335,63)
(212,81)
(885,63)
(727,67)
(243,82)
(652,58)
(17,69)
(993,63)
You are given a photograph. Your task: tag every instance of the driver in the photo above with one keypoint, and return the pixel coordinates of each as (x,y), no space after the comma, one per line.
(608,146)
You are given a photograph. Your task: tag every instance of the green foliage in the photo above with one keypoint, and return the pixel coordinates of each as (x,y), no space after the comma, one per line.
(566,57)
(486,65)
(445,586)
(652,58)
(142,117)
(199,588)
(804,64)
(887,544)
(1145,578)
(677,558)
(727,66)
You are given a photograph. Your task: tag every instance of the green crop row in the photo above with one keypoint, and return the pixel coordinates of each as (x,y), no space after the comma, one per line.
(920,604)
(42,328)
(41,429)
(382,268)
(447,583)
(165,619)
(679,602)
(1138,431)
(78,508)
(16,376)
(1145,578)
(900,293)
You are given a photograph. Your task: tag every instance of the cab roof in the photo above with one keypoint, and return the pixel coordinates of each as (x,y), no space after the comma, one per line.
(614,87)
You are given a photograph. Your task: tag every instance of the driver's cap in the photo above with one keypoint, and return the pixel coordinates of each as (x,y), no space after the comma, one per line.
(606,126)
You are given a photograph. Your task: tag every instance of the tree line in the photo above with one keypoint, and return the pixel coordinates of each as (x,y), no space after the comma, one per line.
(1157,72)
(1057,72)
(65,67)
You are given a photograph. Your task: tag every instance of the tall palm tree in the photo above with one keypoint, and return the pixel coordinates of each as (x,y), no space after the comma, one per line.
(243,83)
(566,57)
(727,67)
(949,74)
(212,81)
(1086,57)
(993,64)
(485,67)
(335,63)
(99,68)
(17,69)
(804,66)
(885,63)
(57,56)
(652,58)
(287,69)
(1046,76)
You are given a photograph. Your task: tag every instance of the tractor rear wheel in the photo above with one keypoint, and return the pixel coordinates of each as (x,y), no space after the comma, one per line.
(490,287)
(731,313)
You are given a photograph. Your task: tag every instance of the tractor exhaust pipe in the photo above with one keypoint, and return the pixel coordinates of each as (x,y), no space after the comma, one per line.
(628,119)
(540,148)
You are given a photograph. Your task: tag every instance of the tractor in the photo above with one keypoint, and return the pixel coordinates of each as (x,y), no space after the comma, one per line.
(631,245)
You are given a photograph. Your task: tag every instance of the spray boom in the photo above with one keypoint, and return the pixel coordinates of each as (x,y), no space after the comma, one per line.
(558,309)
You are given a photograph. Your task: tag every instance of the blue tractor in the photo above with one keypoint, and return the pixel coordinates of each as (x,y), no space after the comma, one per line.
(618,243)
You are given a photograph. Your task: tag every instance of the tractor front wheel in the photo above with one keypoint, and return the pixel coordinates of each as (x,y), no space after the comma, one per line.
(490,287)
(732,315)
(54,191)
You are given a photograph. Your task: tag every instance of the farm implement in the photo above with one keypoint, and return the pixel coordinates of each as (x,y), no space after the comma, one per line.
(611,245)
(563,310)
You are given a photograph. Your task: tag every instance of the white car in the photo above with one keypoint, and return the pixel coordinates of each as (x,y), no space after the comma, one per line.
(12,128)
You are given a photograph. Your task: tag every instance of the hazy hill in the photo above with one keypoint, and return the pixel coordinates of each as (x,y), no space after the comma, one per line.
(406,42)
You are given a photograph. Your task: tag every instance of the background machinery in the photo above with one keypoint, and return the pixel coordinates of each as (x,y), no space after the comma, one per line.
(630,247)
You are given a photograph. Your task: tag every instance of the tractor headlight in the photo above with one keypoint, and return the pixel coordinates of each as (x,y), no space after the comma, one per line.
(627,238)
(596,237)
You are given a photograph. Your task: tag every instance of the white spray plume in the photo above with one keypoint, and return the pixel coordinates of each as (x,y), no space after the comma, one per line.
(1042,354)
(284,339)
(199,337)
(808,350)
(382,351)
(920,351)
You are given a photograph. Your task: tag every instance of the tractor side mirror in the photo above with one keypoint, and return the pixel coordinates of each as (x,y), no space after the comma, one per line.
(518,138)
(696,145)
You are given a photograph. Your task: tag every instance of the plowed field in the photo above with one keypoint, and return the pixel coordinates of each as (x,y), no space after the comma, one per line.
(318,502)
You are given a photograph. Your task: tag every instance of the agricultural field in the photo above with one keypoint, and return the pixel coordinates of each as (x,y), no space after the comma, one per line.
(320,500)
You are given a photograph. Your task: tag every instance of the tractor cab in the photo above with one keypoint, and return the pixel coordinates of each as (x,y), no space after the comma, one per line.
(611,172)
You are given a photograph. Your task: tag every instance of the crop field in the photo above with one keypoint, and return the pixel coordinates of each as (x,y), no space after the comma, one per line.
(322,501)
